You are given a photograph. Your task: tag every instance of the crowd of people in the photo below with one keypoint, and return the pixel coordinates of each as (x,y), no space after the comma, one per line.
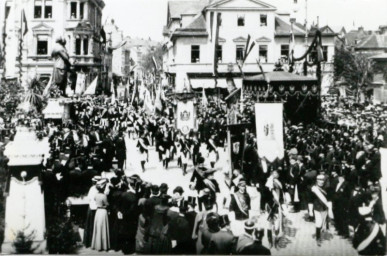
(331,169)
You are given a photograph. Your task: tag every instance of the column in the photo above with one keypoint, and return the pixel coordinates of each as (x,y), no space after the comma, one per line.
(82,49)
(86,11)
(91,45)
(68,14)
(78,10)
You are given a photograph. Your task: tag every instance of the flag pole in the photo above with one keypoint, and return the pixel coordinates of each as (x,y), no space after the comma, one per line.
(20,47)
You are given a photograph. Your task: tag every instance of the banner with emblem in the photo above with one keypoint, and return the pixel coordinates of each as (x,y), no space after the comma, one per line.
(185,116)
(269,125)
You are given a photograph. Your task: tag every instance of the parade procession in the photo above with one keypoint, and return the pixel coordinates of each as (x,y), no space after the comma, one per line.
(226,127)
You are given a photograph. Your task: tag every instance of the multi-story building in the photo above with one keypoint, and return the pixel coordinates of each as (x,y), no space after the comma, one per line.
(121,55)
(138,47)
(79,21)
(189,40)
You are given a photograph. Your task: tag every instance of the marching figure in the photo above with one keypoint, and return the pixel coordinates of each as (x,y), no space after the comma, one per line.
(320,206)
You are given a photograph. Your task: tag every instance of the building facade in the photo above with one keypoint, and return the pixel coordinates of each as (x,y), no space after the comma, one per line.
(120,54)
(189,40)
(79,21)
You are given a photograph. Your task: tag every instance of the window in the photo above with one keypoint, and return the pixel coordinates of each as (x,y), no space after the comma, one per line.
(81,10)
(85,46)
(263,20)
(38,9)
(195,53)
(78,46)
(241,21)
(48,9)
(239,52)
(43,9)
(263,53)
(219,52)
(42,46)
(73,10)
(325,52)
(285,51)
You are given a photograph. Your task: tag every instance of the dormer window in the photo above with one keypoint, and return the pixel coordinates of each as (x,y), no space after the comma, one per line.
(241,21)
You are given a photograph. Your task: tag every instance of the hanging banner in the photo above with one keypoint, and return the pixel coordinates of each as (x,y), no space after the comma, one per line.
(185,116)
(269,125)
(80,86)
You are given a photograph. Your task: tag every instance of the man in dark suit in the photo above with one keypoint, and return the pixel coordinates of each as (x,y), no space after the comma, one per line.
(222,242)
(127,215)
(120,148)
(240,202)
(255,248)
(154,198)
(109,152)
(340,196)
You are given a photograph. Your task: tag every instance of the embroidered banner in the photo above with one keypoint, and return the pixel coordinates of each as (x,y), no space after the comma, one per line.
(269,125)
(185,116)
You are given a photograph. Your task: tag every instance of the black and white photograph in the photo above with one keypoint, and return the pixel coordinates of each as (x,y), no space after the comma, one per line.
(193,127)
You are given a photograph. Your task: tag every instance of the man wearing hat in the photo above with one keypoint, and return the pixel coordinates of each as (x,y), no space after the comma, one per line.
(212,227)
(340,196)
(369,238)
(320,206)
(179,230)
(245,239)
(256,248)
(240,202)
(222,242)
(127,215)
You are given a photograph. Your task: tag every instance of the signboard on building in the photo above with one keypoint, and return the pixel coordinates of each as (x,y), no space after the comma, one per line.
(185,116)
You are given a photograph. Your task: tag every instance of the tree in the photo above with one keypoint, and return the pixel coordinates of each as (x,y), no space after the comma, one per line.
(146,62)
(23,243)
(357,69)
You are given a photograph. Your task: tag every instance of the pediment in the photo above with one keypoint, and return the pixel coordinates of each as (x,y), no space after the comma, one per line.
(241,4)
(42,27)
(263,40)
(240,39)
(221,40)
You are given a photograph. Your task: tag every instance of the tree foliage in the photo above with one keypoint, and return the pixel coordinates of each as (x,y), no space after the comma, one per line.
(356,69)
(146,61)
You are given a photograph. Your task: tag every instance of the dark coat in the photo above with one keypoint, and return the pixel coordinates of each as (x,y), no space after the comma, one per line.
(221,243)
(255,248)
(128,206)
(120,148)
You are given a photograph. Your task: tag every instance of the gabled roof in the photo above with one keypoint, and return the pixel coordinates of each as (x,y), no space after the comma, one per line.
(178,8)
(196,28)
(282,28)
(374,41)
(260,4)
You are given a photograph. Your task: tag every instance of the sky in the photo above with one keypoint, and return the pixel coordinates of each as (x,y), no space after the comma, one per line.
(146,18)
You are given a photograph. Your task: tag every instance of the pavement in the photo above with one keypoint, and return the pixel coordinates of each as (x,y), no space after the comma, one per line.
(298,234)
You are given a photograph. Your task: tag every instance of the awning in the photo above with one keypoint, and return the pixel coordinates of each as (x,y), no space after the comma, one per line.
(53,110)
(280,76)
(197,83)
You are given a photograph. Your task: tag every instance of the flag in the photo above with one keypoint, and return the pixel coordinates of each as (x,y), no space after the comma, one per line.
(24,25)
(215,41)
(320,54)
(92,87)
(155,64)
(291,45)
(204,99)
(103,36)
(113,93)
(134,94)
(47,88)
(159,101)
